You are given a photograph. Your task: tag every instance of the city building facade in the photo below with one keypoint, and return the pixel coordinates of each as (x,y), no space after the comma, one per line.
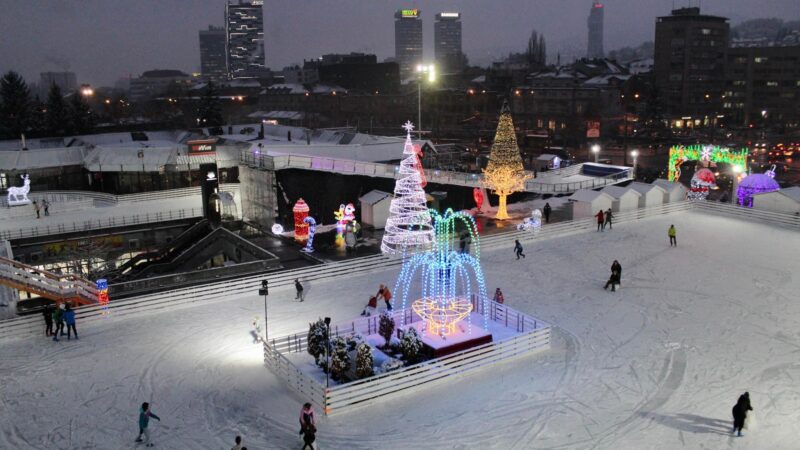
(447,41)
(212,53)
(408,40)
(157,82)
(244,39)
(595,24)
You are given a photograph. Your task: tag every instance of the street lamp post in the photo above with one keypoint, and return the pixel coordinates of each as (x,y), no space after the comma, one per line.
(596,151)
(265,292)
(422,69)
(635,154)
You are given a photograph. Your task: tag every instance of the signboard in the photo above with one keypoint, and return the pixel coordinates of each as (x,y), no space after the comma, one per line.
(450,15)
(593,129)
(409,13)
(202,147)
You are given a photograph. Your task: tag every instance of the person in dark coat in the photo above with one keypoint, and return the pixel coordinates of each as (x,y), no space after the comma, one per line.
(547,210)
(613,281)
(309,436)
(616,266)
(609,216)
(299,288)
(600,221)
(58,320)
(69,318)
(740,412)
(47,312)
(518,249)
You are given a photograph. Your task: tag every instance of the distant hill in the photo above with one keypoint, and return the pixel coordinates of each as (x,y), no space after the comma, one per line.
(766,32)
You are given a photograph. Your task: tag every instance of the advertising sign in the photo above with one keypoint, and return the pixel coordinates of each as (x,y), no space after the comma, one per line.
(202,147)
(593,129)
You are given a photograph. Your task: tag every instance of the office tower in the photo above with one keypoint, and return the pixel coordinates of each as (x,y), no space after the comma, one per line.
(244,27)
(447,41)
(212,53)
(595,23)
(408,40)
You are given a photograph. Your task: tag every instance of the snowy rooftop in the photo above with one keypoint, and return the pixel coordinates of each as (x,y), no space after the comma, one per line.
(644,188)
(588,195)
(668,185)
(619,191)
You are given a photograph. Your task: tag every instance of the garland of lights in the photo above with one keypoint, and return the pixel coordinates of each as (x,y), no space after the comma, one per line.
(679,153)
(505,173)
(408,227)
(448,278)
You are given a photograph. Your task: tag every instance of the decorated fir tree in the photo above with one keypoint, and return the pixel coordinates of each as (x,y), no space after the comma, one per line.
(316,338)
(386,326)
(505,174)
(364,361)
(340,360)
(408,227)
(411,346)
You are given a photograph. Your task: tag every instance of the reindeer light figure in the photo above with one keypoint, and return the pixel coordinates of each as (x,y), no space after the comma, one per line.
(19,195)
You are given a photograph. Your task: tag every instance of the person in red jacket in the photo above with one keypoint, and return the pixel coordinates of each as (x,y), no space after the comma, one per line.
(600,221)
(498,296)
(372,305)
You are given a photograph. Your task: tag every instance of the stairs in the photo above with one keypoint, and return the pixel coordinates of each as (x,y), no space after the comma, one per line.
(59,288)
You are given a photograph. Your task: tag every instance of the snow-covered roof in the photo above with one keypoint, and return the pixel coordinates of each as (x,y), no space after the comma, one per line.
(126,158)
(42,158)
(604,79)
(285,115)
(668,185)
(619,191)
(588,195)
(791,192)
(546,157)
(374,196)
(644,188)
(480,79)
(289,88)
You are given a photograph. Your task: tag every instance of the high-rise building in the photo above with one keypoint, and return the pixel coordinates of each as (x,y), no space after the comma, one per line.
(212,53)
(244,28)
(408,40)
(447,41)
(595,22)
(689,63)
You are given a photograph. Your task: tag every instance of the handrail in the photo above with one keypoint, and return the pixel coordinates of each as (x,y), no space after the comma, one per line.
(54,286)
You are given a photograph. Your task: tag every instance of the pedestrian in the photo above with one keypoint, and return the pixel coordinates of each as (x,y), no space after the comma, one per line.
(238,442)
(609,216)
(299,288)
(309,436)
(740,413)
(306,416)
(462,241)
(498,296)
(672,239)
(69,317)
(47,312)
(518,249)
(58,320)
(46,206)
(36,208)
(612,281)
(372,305)
(547,210)
(144,419)
(600,222)
(386,295)
(616,266)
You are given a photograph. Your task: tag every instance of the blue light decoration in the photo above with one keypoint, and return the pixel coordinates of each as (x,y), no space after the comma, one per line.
(102,294)
(447,277)
(312,230)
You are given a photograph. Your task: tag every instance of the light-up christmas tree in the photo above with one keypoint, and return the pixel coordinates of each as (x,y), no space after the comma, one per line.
(505,174)
(408,227)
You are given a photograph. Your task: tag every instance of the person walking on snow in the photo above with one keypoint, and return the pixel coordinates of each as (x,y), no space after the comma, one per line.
(616,266)
(69,317)
(372,305)
(518,249)
(58,319)
(47,312)
(609,216)
(144,419)
(600,222)
(547,210)
(46,206)
(672,239)
(740,413)
(299,288)
(383,292)
(36,208)
(238,442)
(306,417)
(498,296)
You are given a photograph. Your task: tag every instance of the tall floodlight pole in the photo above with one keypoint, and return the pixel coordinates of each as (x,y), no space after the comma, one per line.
(265,292)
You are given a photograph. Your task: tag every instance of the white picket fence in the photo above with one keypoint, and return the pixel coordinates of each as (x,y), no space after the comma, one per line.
(532,335)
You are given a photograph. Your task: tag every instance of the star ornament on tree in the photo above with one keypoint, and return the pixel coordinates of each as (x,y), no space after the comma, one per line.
(408,126)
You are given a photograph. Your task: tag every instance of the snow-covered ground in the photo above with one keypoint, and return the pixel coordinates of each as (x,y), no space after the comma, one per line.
(656,365)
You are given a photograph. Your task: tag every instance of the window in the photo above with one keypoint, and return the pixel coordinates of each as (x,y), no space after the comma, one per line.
(760,59)
(706,31)
(740,60)
(4,178)
(772,84)
(739,82)
(551,124)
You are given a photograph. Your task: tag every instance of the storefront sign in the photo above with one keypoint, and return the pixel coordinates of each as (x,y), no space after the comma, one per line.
(202,147)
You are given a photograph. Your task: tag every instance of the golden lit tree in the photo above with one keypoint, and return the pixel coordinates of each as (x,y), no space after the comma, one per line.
(505,174)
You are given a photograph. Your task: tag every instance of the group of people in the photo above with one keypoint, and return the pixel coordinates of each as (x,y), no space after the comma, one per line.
(604,219)
(372,305)
(45,205)
(57,317)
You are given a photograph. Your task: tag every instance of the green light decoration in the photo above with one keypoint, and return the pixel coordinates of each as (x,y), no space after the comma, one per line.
(713,153)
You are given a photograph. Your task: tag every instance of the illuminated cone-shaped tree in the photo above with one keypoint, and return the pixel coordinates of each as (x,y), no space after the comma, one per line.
(504,174)
(408,227)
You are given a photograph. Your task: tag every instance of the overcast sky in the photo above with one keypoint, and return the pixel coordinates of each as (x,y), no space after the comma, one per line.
(103,40)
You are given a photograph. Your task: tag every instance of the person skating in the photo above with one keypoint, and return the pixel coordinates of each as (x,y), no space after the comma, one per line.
(609,216)
(600,221)
(69,318)
(58,320)
(740,412)
(238,442)
(613,281)
(498,296)
(47,312)
(46,206)
(36,208)
(547,210)
(518,249)
(299,288)
(306,416)
(372,305)
(144,420)
(672,236)
(616,266)
(309,436)
(386,295)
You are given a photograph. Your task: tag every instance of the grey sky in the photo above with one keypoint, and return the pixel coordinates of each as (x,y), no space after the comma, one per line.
(103,40)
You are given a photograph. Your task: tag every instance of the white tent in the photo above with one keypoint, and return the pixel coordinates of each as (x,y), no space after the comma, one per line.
(652,195)
(785,201)
(625,199)
(586,203)
(676,192)
(375,208)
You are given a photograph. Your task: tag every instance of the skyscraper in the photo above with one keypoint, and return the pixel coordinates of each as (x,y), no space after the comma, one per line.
(408,40)
(212,53)
(595,23)
(447,41)
(244,39)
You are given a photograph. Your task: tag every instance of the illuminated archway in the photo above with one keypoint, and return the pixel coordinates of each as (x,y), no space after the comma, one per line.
(678,154)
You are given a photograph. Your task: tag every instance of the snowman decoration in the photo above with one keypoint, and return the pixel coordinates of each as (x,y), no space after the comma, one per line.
(534,222)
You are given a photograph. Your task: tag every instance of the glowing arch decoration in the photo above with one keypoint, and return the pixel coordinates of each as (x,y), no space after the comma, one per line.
(712,153)
(311,225)
(446,277)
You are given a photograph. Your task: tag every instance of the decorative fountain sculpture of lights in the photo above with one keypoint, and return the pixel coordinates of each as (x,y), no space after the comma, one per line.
(447,278)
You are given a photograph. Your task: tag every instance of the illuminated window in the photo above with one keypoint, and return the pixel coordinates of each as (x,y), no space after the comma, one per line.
(551,124)
(540,123)
(3,181)
(706,31)
(760,59)
(772,83)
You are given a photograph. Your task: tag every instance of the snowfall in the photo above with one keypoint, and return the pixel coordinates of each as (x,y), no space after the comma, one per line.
(656,365)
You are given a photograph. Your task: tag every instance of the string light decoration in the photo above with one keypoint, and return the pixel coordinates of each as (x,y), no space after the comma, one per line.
(408,228)
(102,294)
(702,181)
(712,153)
(300,211)
(447,277)
(757,183)
(311,225)
(505,174)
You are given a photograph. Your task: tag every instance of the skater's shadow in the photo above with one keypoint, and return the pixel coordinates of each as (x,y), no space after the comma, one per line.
(691,423)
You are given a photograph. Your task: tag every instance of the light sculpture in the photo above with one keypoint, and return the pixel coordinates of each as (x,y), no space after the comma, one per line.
(679,153)
(277,229)
(408,227)
(312,230)
(18,196)
(756,183)
(344,215)
(102,294)
(534,222)
(300,211)
(505,174)
(702,181)
(447,278)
